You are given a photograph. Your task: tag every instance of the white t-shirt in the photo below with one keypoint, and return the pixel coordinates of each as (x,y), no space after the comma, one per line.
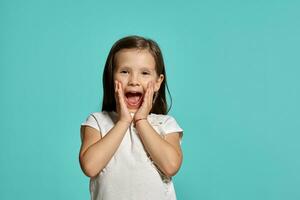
(131,174)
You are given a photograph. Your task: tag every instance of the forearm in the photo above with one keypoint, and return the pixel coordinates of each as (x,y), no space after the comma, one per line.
(96,157)
(163,154)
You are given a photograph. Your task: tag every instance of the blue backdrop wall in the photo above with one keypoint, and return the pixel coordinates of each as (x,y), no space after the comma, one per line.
(233,72)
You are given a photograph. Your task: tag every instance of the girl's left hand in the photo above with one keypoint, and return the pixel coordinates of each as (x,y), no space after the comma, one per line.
(146,106)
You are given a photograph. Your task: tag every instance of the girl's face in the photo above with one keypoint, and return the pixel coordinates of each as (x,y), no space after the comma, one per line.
(135,69)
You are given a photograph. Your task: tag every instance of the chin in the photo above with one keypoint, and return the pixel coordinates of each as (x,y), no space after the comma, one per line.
(132,110)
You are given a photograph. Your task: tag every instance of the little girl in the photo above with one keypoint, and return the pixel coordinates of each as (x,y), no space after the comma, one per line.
(132,148)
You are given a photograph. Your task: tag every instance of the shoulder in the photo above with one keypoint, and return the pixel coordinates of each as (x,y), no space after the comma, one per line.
(167,122)
(97,119)
(160,118)
(100,115)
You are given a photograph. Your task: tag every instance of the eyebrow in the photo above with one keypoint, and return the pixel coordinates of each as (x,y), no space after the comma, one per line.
(123,67)
(142,68)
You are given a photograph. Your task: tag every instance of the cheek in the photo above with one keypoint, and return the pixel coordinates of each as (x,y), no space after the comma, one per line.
(119,78)
(146,82)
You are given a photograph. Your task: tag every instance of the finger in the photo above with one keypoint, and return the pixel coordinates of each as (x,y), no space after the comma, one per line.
(145,96)
(148,91)
(120,88)
(152,91)
(150,94)
(121,91)
(117,97)
(121,96)
(116,88)
(116,85)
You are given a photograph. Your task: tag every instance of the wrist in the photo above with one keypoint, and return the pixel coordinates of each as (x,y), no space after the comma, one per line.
(139,119)
(124,122)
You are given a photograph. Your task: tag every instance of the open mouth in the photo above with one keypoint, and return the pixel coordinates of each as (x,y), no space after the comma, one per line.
(133,99)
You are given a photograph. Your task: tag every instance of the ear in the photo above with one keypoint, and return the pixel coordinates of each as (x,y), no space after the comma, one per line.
(158,82)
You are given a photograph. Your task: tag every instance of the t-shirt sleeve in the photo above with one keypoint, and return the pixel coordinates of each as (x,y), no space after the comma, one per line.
(170,125)
(91,121)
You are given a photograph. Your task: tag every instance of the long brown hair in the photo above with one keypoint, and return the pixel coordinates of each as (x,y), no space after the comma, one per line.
(135,42)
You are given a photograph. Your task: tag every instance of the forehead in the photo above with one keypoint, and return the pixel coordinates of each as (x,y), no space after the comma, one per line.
(135,58)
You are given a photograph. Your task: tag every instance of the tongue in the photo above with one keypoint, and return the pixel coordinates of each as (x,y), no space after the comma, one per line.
(133,99)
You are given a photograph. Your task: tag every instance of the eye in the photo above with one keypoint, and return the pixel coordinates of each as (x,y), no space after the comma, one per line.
(123,71)
(145,73)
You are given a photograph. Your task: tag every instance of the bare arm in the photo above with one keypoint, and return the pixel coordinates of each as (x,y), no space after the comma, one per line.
(96,152)
(167,153)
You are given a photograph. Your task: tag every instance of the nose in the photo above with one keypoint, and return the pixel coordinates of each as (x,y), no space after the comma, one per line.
(133,80)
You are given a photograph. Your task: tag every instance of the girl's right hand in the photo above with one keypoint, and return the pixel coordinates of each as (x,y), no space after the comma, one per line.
(122,110)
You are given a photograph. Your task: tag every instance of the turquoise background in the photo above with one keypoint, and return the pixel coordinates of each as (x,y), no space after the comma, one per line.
(233,72)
